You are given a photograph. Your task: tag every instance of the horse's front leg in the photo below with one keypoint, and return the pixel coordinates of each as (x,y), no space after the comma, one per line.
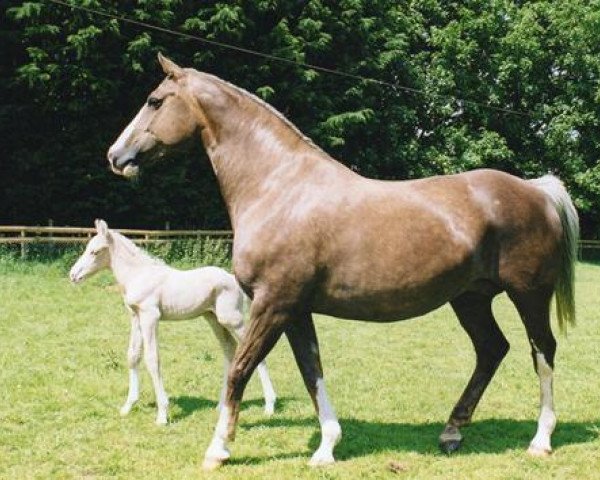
(266,326)
(134,355)
(303,340)
(263,374)
(149,326)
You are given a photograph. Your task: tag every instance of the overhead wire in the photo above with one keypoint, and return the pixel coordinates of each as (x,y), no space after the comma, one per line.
(268,56)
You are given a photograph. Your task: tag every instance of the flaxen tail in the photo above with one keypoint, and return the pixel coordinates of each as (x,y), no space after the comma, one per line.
(564,289)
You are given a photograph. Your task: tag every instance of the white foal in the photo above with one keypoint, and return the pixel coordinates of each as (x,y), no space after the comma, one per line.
(153,291)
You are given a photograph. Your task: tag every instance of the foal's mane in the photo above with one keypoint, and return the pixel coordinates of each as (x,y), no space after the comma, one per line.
(133,250)
(245,94)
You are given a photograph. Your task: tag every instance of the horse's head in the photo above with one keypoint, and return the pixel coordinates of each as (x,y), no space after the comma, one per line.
(167,119)
(96,255)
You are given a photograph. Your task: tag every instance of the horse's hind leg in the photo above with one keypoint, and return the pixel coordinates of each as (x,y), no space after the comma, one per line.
(534,309)
(303,340)
(474,312)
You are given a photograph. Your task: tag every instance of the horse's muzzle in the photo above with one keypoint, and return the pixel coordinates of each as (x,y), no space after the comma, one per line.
(125,165)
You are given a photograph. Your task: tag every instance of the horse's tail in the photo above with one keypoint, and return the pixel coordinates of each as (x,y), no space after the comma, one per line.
(564,288)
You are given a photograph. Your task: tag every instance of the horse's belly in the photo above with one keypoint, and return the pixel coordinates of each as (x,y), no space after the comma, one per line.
(387,295)
(381,306)
(180,302)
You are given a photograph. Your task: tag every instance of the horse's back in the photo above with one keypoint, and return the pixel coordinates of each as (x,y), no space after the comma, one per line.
(189,293)
(386,250)
(416,245)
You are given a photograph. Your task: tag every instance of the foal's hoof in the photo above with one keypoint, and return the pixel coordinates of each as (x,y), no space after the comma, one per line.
(450,446)
(539,452)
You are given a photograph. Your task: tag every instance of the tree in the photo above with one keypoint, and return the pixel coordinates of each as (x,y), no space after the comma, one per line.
(465,85)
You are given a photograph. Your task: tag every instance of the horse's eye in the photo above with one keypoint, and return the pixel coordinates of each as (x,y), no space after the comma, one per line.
(155,103)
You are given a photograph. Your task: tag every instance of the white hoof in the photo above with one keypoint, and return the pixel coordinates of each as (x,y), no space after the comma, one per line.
(269,409)
(125,409)
(536,451)
(161,420)
(210,464)
(215,457)
(319,459)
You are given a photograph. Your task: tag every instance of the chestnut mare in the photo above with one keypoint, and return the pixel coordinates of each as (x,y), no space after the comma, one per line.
(313,236)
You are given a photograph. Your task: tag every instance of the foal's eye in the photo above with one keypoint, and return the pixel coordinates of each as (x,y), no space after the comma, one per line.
(155,103)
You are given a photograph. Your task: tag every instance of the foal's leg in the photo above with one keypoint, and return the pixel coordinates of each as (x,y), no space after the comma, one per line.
(228,345)
(534,309)
(303,340)
(134,355)
(149,325)
(264,330)
(474,312)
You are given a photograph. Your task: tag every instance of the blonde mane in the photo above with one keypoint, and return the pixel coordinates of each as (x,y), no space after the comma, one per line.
(261,103)
(134,251)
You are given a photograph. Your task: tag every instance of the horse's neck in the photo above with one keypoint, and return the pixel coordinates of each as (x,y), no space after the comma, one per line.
(123,262)
(259,152)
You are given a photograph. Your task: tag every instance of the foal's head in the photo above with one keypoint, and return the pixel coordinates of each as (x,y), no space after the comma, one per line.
(169,116)
(96,255)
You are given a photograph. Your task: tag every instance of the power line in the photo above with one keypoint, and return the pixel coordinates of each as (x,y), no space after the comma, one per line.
(276,58)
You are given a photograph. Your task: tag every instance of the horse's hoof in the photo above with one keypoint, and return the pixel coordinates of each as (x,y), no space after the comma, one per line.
(269,409)
(210,464)
(450,446)
(161,422)
(321,460)
(539,452)
(124,410)
(214,457)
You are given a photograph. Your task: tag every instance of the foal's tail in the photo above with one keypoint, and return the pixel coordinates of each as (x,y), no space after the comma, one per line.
(564,288)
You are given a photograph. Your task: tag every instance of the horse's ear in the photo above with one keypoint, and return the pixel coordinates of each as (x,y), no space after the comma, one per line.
(101,227)
(170,68)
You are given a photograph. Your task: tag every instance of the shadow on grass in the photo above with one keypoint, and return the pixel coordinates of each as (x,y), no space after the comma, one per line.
(188,405)
(361,438)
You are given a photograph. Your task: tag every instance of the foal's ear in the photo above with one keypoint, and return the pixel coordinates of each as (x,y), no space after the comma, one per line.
(170,68)
(101,227)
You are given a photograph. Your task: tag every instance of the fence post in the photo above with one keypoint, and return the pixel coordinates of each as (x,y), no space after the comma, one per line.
(23,246)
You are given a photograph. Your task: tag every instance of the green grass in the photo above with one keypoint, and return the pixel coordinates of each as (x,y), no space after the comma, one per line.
(63,376)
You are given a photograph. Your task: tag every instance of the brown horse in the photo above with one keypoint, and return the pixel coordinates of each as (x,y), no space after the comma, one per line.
(313,236)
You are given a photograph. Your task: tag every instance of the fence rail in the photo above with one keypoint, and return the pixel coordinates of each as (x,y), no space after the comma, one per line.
(26,235)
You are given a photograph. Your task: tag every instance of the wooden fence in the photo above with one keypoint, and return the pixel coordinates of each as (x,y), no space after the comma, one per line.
(589,250)
(23,235)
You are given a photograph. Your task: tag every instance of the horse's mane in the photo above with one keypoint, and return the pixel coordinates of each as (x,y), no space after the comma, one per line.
(134,251)
(261,103)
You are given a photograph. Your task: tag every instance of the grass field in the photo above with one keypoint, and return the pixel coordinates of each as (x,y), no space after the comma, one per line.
(63,377)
